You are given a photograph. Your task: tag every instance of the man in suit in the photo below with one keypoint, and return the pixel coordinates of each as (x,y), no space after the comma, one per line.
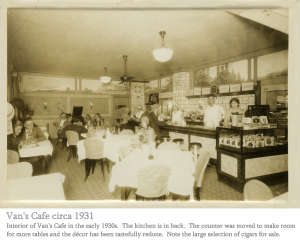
(154,122)
(69,120)
(147,112)
(77,126)
(32,133)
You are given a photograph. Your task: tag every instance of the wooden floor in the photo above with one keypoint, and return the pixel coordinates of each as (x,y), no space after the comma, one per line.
(96,188)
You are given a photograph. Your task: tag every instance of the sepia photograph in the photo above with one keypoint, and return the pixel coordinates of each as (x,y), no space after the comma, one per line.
(148,105)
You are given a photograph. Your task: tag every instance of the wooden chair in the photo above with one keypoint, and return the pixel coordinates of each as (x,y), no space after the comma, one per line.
(153,182)
(169,146)
(200,167)
(73,139)
(255,190)
(94,152)
(64,143)
(127,132)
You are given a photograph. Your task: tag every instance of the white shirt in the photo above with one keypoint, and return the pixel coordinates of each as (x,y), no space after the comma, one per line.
(28,133)
(62,122)
(139,114)
(177,117)
(213,115)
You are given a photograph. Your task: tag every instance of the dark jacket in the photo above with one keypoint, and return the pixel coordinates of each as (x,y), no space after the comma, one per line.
(66,123)
(35,133)
(12,142)
(73,127)
(155,124)
(100,122)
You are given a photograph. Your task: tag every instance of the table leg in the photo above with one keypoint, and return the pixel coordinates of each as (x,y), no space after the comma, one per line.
(123,194)
(43,164)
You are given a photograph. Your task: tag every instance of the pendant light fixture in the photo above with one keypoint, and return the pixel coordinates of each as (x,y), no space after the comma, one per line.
(105,79)
(162,54)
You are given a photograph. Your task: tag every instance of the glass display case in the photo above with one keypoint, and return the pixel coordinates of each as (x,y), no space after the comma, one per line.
(243,141)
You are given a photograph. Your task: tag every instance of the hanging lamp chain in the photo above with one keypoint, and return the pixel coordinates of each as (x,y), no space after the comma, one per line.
(105,71)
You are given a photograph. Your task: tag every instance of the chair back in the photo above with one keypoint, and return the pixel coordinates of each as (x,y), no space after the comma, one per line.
(93,148)
(153,180)
(73,137)
(123,152)
(127,132)
(169,146)
(255,190)
(200,167)
(19,170)
(12,157)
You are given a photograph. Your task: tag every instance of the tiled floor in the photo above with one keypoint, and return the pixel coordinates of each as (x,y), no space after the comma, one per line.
(96,188)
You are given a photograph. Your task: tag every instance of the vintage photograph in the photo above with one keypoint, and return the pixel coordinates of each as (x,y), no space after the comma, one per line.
(160,105)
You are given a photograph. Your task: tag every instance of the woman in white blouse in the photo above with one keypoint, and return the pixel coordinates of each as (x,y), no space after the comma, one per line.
(176,115)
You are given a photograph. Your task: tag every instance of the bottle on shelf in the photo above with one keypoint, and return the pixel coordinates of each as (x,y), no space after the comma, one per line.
(248,112)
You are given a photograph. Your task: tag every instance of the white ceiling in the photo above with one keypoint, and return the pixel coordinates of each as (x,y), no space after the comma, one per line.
(82,42)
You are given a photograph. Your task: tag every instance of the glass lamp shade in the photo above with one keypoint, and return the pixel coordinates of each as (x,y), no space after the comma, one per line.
(163,54)
(105,79)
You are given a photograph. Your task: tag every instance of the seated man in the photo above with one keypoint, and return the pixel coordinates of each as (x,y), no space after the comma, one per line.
(77,126)
(69,120)
(32,134)
(98,121)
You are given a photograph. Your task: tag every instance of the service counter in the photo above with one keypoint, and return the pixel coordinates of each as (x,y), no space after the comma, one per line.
(192,132)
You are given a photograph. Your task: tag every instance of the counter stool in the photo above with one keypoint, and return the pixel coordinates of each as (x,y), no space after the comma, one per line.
(165,138)
(179,141)
(195,146)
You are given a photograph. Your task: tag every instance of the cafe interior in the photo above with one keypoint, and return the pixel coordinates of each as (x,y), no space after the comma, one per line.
(147,105)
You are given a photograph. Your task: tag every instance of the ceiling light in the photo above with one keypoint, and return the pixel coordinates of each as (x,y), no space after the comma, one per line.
(162,54)
(105,79)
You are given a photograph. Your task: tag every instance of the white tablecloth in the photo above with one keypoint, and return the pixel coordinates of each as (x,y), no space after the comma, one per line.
(111,147)
(181,182)
(99,133)
(43,148)
(45,187)
(279,201)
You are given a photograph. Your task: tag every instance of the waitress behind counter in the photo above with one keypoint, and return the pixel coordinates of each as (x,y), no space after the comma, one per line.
(176,115)
(213,113)
(234,108)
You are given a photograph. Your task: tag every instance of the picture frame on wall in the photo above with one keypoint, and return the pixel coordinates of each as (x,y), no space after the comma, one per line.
(154,98)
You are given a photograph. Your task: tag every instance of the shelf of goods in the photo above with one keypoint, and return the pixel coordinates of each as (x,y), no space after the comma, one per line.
(260,154)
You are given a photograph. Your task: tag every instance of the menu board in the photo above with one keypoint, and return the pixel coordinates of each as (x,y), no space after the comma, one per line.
(197,91)
(235,88)
(248,86)
(189,93)
(224,89)
(206,91)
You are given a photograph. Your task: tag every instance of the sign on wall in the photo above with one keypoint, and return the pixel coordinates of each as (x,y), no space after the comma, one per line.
(235,88)
(248,86)
(223,88)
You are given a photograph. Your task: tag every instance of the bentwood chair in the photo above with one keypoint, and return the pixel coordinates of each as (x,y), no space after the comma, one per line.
(127,132)
(12,157)
(255,190)
(93,152)
(200,167)
(73,139)
(19,170)
(153,182)
(169,146)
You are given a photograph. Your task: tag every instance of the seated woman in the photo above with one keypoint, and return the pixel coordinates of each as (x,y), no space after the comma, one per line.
(98,121)
(87,120)
(176,115)
(60,126)
(13,140)
(147,130)
(234,108)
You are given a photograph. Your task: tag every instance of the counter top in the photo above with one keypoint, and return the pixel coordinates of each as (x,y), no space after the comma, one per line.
(191,129)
